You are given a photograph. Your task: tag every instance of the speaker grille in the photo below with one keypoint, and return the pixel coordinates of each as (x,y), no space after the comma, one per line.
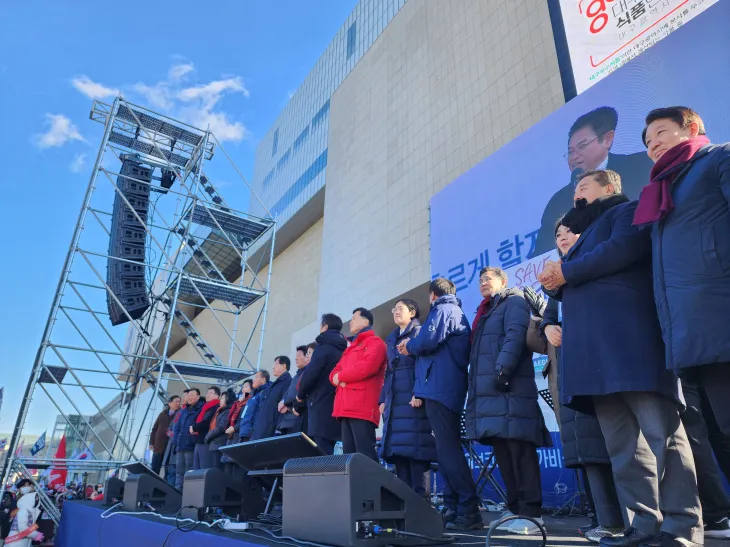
(317,466)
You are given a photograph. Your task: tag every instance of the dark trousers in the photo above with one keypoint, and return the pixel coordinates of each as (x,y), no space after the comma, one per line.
(715,501)
(602,492)
(327,445)
(415,473)
(156,464)
(183,464)
(214,459)
(520,469)
(652,463)
(358,436)
(714,380)
(460,493)
(201,456)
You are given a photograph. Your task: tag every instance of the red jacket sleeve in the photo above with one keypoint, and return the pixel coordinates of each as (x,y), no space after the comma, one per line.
(371,362)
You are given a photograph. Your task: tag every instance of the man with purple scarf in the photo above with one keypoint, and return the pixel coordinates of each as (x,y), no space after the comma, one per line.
(686,206)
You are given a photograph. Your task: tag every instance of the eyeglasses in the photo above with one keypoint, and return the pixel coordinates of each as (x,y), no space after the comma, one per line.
(582,146)
(399,308)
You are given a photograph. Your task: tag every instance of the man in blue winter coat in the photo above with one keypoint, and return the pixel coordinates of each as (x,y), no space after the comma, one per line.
(261,387)
(686,205)
(442,348)
(612,364)
(184,441)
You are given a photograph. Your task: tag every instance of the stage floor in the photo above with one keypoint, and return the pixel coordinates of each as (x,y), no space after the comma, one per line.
(82,526)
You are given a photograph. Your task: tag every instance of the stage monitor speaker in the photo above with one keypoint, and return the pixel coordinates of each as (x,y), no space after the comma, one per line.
(339,500)
(113,491)
(273,452)
(211,489)
(149,492)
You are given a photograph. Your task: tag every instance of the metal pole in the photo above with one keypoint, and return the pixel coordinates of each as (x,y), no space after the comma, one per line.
(38,363)
(266,298)
(235,321)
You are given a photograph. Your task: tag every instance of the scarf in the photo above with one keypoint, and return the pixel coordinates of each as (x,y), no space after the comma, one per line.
(656,201)
(236,410)
(206,407)
(580,217)
(481,310)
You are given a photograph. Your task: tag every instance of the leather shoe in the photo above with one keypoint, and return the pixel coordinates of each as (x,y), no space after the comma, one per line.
(630,538)
(449,515)
(466,522)
(665,539)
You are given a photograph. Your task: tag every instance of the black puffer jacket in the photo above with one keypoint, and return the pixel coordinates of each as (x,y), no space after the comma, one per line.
(499,345)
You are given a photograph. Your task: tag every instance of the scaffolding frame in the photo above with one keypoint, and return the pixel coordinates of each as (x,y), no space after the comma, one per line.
(195,260)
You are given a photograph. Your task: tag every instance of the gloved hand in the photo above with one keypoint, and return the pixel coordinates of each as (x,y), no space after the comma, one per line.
(536,302)
(501,383)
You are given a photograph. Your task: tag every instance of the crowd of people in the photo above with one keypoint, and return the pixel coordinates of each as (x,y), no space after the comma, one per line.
(637,365)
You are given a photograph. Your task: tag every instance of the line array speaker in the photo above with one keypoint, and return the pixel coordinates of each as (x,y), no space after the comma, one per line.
(127,243)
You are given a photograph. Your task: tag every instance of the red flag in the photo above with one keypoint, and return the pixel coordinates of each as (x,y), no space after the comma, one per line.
(57,477)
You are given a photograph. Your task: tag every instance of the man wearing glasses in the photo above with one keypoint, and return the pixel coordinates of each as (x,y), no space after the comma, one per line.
(589,148)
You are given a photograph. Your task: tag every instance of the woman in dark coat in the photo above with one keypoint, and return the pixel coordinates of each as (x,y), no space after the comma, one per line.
(584,447)
(406,441)
(216,436)
(502,408)
(234,424)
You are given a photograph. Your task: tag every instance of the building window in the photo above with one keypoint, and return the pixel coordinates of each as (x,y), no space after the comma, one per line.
(275,145)
(321,115)
(351,39)
(299,141)
(302,182)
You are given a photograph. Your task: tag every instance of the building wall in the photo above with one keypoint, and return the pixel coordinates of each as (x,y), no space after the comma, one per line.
(445,85)
(292,307)
(292,156)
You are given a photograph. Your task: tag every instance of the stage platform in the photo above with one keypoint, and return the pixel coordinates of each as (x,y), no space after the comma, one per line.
(82,526)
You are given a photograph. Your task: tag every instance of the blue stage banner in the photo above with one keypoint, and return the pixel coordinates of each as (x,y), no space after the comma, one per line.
(503,211)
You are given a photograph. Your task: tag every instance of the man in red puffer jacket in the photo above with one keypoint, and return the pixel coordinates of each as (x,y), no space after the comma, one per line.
(359,378)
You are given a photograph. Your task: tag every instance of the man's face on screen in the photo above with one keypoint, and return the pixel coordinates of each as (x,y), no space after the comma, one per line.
(586,150)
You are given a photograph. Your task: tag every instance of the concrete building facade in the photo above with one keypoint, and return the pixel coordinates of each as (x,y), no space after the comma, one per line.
(434,92)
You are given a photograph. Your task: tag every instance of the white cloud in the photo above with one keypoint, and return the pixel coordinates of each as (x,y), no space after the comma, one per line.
(78,163)
(179,71)
(93,90)
(209,94)
(60,131)
(157,96)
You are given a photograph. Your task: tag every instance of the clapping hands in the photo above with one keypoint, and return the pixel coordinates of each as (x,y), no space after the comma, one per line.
(552,276)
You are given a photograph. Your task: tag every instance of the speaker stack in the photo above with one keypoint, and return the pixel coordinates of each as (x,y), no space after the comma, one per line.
(127,241)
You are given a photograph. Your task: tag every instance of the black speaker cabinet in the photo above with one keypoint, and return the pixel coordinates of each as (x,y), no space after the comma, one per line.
(338,500)
(145,491)
(113,491)
(207,489)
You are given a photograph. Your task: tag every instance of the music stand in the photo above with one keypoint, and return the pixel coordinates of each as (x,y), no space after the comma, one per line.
(264,459)
(486,468)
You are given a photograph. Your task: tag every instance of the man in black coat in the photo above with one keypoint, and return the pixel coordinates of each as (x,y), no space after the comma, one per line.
(315,388)
(589,147)
(268,417)
(293,414)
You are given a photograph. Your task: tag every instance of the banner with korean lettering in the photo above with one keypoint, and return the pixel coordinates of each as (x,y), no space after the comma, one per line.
(503,211)
(602,35)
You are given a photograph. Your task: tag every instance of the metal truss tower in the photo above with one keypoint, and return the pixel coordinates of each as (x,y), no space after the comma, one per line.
(156,253)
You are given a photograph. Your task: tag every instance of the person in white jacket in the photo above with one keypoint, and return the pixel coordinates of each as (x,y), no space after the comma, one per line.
(23,528)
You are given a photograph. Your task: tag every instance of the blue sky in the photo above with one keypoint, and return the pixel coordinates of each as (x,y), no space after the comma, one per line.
(231,64)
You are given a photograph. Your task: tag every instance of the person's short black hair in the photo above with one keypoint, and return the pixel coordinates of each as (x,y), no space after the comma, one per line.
(284,360)
(22,482)
(248,381)
(171,399)
(195,389)
(558,224)
(186,391)
(441,286)
(602,120)
(216,390)
(265,375)
(332,321)
(412,306)
(366,313)
(230,396)
(499,272)
(681,115)
(303,349)
(312,345)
